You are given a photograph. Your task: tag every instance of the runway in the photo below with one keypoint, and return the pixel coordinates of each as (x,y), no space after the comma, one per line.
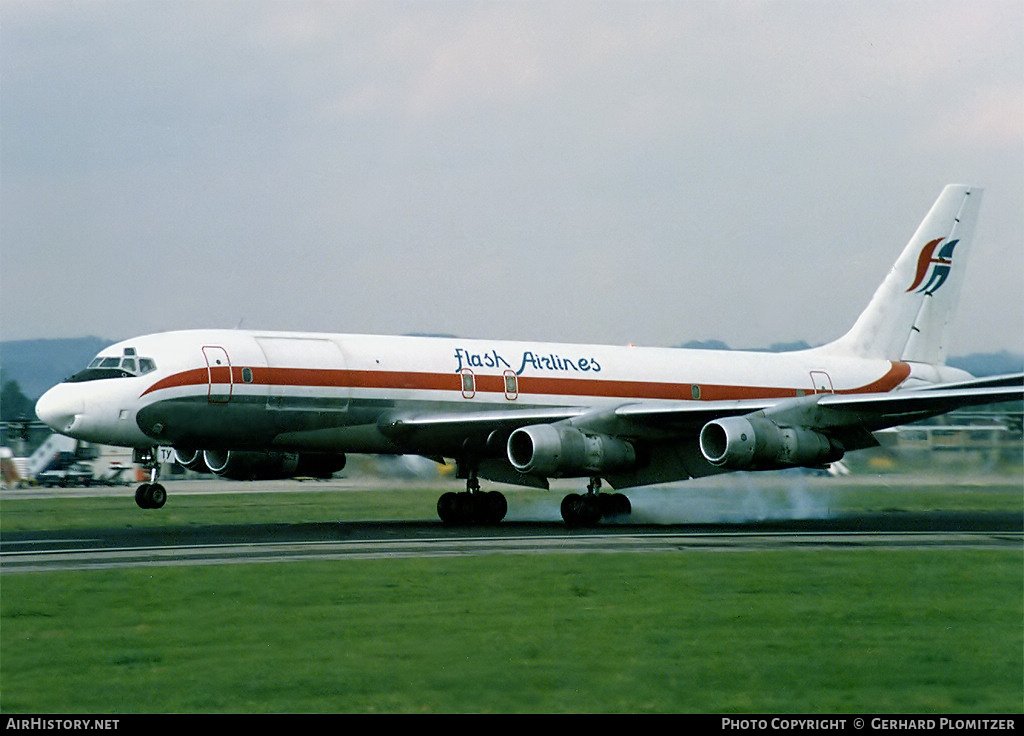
(29,552)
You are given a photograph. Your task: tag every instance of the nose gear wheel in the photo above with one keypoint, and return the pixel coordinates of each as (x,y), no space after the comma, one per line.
(150,495)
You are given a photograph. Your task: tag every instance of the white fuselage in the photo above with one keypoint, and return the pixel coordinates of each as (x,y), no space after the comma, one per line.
(329,393)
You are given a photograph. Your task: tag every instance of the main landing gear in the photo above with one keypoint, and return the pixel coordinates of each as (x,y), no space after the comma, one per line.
(588,509)
(150,495)
(472,506)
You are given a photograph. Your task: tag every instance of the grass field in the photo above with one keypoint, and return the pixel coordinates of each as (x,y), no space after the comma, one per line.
(794,631)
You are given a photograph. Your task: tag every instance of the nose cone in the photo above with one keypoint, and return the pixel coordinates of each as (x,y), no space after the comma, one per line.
(59,407)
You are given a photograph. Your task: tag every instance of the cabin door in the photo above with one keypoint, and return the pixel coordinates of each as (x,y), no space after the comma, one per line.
(218,372)
(822,382)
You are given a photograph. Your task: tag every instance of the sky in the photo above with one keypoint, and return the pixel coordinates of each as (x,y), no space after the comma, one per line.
(588,172)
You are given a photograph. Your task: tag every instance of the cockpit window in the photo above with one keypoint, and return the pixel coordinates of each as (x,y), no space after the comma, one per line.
(95,374)
(108,366)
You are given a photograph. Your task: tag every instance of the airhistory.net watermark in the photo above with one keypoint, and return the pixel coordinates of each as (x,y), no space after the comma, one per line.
(61,724)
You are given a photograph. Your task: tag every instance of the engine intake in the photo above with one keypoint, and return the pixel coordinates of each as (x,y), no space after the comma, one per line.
(758,443)
(249,465)
(560,451)
(191,459)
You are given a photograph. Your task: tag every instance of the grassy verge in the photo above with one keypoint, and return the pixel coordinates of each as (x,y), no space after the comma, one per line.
(780,631)
(873,631)
(228,508)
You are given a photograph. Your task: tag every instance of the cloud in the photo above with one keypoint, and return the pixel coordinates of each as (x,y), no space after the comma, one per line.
(606,172)
(992,119)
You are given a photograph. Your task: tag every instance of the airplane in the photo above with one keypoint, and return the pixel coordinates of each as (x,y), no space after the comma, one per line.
(250,404)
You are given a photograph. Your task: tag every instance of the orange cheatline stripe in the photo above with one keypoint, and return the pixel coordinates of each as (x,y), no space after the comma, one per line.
(530,385)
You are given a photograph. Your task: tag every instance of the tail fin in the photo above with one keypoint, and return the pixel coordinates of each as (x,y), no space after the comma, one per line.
(909,315)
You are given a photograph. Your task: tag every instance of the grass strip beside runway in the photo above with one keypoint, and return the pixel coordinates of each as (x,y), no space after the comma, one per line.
(798,631)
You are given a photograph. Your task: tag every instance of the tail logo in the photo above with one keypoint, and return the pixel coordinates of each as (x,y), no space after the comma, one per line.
(939,266)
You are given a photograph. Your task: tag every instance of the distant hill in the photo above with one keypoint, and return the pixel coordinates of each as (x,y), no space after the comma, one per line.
(989,364)
(39,364)
(775,347)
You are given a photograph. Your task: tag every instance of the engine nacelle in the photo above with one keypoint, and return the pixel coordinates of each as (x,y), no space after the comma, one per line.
(757,443)
(191,459)
(560,451)
(317,465)
(249,465)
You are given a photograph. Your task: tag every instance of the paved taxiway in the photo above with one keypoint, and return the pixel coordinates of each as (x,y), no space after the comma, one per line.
(109,548)
(814,527)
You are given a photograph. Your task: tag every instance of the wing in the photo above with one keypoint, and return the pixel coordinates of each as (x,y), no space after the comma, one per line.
(790,432)
(835,412)
(669,436)
(1008,380)
(879,411)
(441,432)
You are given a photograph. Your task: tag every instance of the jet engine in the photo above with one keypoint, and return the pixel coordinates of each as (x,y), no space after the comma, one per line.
(758,443)
(191,459)
(561,451)
(249,465)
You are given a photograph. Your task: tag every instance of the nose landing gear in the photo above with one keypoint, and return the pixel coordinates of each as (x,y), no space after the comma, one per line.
(150,495)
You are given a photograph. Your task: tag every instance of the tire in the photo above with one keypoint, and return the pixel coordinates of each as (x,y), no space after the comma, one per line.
(142,496)
(157,496)
(448,508)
